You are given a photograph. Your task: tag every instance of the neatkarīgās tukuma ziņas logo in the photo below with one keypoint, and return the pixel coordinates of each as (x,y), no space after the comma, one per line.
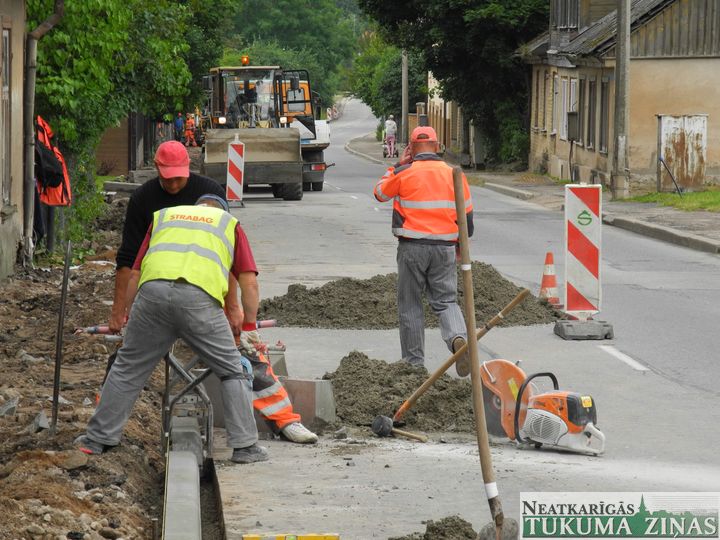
(619,515)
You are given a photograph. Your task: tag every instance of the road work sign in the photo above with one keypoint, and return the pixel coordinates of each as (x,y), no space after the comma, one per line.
(235,173)
(582,249)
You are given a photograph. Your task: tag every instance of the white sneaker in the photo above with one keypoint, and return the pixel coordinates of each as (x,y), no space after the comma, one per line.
(298,433)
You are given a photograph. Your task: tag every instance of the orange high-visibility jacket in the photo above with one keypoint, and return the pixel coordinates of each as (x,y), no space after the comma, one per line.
(424,200)
(60,195)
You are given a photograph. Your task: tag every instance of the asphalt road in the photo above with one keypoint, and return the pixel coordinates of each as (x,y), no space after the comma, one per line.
(655,384)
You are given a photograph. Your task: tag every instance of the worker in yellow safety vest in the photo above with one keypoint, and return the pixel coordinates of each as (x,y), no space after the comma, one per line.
(178,288)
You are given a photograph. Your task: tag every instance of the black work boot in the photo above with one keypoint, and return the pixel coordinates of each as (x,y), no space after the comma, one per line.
(249,454)
(462,364)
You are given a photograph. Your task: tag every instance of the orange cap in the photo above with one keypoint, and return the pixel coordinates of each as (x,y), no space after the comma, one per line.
(423,134)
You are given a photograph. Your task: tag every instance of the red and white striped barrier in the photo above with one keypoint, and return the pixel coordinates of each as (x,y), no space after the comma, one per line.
(235,173)
(583,221)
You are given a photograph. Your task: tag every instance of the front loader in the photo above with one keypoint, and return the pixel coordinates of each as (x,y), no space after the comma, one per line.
(273,112)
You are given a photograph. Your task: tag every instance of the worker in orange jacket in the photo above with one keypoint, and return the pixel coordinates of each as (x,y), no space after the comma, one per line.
(425,222)
(190,130)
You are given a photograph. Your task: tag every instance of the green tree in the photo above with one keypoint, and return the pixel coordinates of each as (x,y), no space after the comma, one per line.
(376,77)
(208,28)
(319,33)
(104,59)
(470,48)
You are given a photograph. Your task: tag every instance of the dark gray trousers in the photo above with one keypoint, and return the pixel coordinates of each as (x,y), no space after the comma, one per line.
(432,269)
(164,311)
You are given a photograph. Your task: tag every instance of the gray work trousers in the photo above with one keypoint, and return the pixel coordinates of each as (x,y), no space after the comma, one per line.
(164,311)
(431,268)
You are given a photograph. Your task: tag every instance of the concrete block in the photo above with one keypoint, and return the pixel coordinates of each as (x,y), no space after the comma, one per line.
(185,436)
(140,176)
(313,399)
(124,187)
(277,361)
(182,498)
(578,330)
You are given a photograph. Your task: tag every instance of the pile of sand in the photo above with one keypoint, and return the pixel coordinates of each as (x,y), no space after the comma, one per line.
(372,303)
(365,387)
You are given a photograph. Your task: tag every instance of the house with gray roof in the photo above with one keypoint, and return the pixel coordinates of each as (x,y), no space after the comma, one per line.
(673,98)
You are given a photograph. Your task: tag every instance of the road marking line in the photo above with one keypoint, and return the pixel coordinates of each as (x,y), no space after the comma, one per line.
(623,357)
(353,197)
(376,209)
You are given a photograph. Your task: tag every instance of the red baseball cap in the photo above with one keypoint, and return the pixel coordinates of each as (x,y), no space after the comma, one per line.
(172,160)
(423,134)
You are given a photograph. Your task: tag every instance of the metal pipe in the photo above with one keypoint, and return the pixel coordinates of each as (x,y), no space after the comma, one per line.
(59,338)
(29,127)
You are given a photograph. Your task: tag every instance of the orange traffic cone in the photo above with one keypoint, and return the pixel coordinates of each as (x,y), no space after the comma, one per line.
(548,285)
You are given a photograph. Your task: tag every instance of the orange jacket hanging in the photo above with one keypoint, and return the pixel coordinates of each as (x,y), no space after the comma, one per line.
(60,195)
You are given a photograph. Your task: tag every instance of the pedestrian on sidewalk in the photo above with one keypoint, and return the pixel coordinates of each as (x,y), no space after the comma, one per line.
(179,287)
(174,186)
(425,223)
(390,136)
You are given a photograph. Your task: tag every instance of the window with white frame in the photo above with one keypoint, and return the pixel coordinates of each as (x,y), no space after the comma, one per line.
(536,115)
(5,127)
(562,121)
(544,100)
(564,14)
(592,113)
(581,111)
(555,103)
(604,115)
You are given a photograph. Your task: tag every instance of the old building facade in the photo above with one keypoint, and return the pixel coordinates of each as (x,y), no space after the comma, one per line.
(12,53)
(674,76)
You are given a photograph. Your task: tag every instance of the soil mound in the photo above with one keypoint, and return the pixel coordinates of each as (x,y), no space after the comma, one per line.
(365,387)
(372,303)
(48,489)
(449,528)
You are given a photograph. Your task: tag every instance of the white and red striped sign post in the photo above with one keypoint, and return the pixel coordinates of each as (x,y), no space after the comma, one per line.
(235,173)
(583,222)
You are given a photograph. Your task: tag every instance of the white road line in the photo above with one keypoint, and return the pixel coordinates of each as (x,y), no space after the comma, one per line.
(353,197)
(376,208)
(623,357)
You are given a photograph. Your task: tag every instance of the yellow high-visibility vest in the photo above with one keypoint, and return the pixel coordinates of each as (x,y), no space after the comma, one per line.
(195,243)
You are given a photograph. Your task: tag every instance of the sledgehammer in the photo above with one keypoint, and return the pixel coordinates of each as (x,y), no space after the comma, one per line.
(382,426)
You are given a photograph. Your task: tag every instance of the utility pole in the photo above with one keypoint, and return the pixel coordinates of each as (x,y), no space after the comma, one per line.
(620,182)
(404,126)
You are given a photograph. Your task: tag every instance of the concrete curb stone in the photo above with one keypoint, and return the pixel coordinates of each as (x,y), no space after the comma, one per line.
(510,191)
(661,232)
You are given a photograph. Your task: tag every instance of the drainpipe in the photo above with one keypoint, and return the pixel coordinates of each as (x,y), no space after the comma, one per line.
(29,128)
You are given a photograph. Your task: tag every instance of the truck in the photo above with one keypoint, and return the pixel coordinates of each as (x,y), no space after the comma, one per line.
(275,113)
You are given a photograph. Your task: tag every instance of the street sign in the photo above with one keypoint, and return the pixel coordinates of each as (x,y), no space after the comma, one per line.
(235,173)
(583,221)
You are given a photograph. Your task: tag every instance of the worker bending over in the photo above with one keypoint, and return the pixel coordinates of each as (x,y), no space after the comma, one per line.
(425,222)
(175,185)
(179,285)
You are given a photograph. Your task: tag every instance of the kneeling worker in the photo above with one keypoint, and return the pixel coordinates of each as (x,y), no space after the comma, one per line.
(180,278)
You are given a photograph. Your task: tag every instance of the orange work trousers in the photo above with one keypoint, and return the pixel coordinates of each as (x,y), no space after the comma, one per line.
(270,398)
